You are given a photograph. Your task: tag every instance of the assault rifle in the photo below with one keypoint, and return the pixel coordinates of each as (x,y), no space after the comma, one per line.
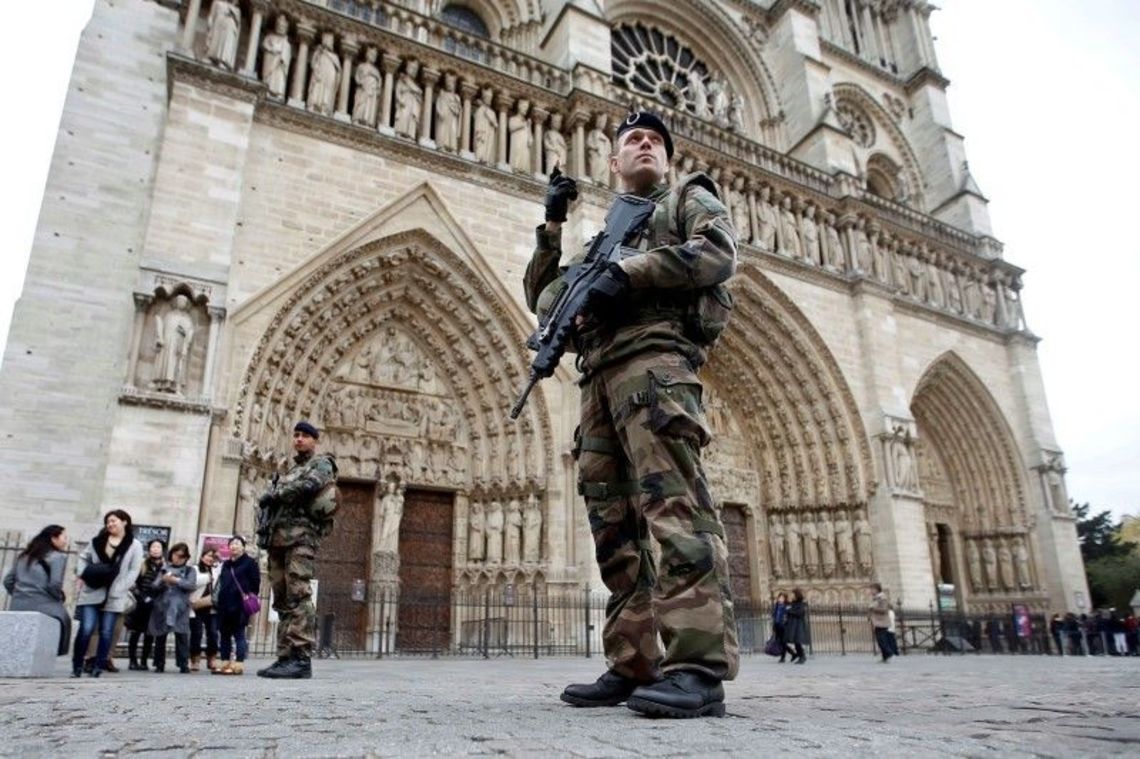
(625,219)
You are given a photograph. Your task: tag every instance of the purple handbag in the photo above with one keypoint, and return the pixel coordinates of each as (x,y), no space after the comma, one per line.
(249,601)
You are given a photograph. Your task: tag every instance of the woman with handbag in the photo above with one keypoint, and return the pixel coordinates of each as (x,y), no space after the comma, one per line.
(171,612)
(107,568)
(35,581)
(239,582)
(203,621)
(795,628)
(139,619)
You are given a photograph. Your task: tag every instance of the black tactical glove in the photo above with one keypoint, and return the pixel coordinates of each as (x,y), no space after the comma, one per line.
(607,289)
(559,192)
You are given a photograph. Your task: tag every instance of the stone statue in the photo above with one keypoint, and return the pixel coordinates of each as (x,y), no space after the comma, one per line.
(598,148)
(475,525)
(276,55)
(812,252)
(935,552)
(989,560)
(486,126)
(826,545)
(864,259)
(698,96)
(174,334)
(512,540)
(1021,557)
(917,270)
(368,83)
(554,145)
(520,139)
(325,77)
(973,560)
(223,29)
(767,220)
(392,507)
(738,206)
(776,541)
(832,247)
(862,530)
(790,244)
(532,531)
(844,544)
(989,304)
(811,545)
(409,101)
(736,114)
(495,522)
(718,101)
(448,112)
(934,286)
(905,476)
(1005,566)
(795,547)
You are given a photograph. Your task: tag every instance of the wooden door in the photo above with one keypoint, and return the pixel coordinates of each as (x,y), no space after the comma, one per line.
(343,559)
(425,571)
(735,521)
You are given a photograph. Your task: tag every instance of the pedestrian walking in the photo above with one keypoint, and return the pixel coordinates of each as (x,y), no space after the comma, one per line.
(645,331)
(35,581)
(1056,628)
(880,618)
(106,568)
(238,576)
(297,512)
(171,611)
(795,628)
(779,622)
(138,620)
(203,620)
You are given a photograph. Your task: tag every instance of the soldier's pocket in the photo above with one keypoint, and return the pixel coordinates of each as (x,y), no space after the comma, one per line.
(675,405)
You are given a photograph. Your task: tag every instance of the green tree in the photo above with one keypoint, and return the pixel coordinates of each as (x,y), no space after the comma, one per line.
(1098,535)
(1112,564)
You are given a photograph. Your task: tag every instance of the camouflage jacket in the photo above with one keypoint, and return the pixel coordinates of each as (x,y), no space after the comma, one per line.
(291,499)
(668,265)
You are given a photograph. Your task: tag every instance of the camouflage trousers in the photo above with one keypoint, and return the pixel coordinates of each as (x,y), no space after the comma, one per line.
(658,539)
(290,570)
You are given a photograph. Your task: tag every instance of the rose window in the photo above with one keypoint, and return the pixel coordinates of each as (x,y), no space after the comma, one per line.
(649,62)
(856,123)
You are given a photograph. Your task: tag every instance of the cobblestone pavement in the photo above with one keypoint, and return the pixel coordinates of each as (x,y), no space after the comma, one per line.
(924,705)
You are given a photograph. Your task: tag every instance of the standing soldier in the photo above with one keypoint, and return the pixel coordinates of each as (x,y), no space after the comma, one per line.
(296,512)
(648,329)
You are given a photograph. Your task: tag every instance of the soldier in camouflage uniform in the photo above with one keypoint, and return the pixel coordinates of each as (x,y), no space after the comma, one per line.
(642,427)
(296,512)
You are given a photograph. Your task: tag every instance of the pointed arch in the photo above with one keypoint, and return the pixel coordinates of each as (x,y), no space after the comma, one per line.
(798,412)
(896,146)
(959,417)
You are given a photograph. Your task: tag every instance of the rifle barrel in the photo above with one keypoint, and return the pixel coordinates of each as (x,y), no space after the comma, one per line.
(518,407)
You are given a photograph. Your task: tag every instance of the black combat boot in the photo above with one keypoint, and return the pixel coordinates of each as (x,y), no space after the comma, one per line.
(264,671)
(680,694)
(299,667)
(608,690)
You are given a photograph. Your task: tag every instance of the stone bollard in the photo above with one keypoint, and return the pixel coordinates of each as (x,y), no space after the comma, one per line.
(28,644)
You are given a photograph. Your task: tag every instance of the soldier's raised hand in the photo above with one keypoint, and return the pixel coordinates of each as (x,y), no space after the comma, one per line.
(560,191)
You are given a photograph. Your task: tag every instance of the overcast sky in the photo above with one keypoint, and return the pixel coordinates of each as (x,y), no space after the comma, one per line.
(1045,92)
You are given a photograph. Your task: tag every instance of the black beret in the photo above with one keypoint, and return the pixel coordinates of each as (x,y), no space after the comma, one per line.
(647,120)
(307,428)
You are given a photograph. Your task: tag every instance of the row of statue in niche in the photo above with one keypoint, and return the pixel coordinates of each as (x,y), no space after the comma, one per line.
(994,564)
(504,535)
(820,545)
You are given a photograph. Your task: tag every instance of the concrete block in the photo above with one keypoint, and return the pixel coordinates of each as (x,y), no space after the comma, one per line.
(28,642)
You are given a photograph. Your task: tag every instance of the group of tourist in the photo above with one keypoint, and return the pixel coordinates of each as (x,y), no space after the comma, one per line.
(154,592)
(790,629)
(1101,634)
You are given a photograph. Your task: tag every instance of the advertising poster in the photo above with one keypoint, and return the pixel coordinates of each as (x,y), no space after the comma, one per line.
(145,533)
(220,543)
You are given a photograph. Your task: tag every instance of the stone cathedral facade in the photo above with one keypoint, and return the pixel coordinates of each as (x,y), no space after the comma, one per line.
(265,210)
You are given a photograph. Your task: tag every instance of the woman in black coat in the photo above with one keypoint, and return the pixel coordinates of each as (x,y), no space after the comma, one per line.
(795,628)
(239,575)
(138,619)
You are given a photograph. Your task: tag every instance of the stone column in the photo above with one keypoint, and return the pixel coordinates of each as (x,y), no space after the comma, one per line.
(348,50)
(467,91)
(250,68)
(538,116)
(503,102)
(142,303)
(928,38)
(390,64)
(305,33)
(578,123)
(870,49)
(217,315)
(430,77)
(190,28)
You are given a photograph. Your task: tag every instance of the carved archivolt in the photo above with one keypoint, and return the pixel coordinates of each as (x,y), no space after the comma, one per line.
(872,126)
(959,417)
(410,361)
